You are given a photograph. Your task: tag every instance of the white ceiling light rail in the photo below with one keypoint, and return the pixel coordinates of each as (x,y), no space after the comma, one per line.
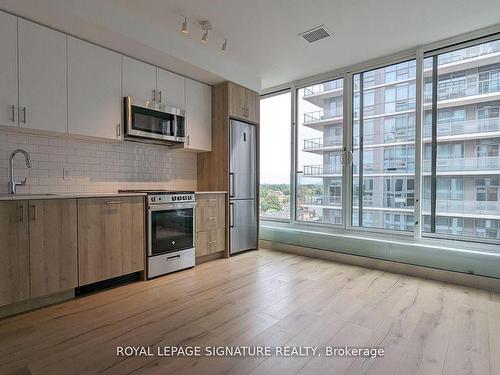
(206,27)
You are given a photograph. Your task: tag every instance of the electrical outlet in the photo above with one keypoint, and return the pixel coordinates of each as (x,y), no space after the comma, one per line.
(67,173)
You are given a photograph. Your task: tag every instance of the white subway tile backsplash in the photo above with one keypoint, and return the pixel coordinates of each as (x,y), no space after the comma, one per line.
(94,166)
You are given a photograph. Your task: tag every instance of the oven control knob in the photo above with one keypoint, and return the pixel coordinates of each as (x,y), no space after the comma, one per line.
(153,199)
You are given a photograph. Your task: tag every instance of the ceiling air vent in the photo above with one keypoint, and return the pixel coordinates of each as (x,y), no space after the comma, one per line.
(315,34)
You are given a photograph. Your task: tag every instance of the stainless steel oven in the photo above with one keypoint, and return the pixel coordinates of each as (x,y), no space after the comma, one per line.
(171,232)
(151,120)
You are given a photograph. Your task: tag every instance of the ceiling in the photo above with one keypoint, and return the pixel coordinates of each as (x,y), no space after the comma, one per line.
(263,47)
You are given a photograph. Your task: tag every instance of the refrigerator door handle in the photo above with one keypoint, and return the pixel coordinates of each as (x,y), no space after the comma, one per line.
(231,185)
(231,215)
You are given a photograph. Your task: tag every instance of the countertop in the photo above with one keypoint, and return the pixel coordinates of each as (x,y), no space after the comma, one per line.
(211,192)
(8,197)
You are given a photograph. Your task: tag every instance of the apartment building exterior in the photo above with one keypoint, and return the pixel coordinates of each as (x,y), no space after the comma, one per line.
(467,139)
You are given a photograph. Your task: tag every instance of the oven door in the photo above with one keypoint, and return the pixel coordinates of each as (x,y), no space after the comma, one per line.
(170,228)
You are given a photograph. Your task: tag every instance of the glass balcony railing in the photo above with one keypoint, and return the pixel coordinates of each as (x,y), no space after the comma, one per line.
(469,53)
(389,167)
(323,200)
(461,207)
(315,116)
(322,87)
(316,143)
(464,127)
(319,170)
(462,89)
(385,108)
(464,164)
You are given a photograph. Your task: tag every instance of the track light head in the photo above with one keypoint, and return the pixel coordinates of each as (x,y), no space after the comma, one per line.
(184,28)
(204,38)
(206,26)
(224,46)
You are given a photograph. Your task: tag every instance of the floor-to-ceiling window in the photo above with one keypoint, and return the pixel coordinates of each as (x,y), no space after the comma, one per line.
(461,143)
(355,141)
(319,152)
(383,129)
(275,156)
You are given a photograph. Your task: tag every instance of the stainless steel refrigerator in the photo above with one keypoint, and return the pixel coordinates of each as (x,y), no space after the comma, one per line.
(242,187)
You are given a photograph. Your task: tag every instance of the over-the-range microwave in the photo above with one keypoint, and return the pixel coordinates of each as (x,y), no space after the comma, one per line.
(153,121)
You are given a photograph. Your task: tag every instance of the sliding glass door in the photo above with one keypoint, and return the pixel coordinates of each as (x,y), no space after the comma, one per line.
(320,152)
(383,146)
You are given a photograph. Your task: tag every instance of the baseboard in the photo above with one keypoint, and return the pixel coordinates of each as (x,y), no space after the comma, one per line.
(35,303)
(209,257)
(474,281)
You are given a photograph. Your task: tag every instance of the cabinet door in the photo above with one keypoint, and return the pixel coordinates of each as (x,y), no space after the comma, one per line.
(42,78)
(237,101)
(8,70)
(199,115)
(110,237)
(210,212)
(53,241)
(14,252)
(170,88)
(253,105)
(139,79)
(94,90)
(210,241)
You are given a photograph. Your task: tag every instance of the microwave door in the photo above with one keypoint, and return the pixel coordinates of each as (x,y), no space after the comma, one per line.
(147,123)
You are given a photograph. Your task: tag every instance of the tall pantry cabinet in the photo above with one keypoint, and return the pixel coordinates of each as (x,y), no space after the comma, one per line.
(229,101)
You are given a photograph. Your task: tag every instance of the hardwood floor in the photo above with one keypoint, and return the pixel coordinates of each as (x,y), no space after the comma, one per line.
(263,298)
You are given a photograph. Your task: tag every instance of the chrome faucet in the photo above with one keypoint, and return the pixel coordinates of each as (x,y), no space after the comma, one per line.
(12,183)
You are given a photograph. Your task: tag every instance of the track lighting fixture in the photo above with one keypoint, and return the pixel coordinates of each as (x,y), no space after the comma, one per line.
(184,29)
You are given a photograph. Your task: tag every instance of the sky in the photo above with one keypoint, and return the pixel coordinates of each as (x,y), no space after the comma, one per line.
(275,138)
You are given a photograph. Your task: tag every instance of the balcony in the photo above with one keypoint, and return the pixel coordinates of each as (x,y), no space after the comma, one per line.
(322,171)
(464,127)
(477,165)
(317,119)
(460,207)
(468,53)
(322,144)
(322,200)
(463,89)
(317,93)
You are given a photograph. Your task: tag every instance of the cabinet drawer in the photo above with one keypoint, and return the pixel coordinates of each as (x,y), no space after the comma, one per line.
(210,241)
(210,212)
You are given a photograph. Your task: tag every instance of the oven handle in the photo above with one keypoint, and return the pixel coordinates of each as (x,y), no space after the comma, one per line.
(170,206)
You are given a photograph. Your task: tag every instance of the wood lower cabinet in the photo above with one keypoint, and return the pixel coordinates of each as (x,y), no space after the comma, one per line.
(53,246)
(210,223)
(14,252)
(111,237)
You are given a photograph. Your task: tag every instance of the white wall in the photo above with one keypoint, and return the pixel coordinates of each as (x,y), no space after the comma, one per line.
(95,166)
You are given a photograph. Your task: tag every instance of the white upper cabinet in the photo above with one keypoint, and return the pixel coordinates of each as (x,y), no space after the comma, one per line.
(94,90)
(198,116)
(8,69)
(170,89)
(42,78)
(139,79)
